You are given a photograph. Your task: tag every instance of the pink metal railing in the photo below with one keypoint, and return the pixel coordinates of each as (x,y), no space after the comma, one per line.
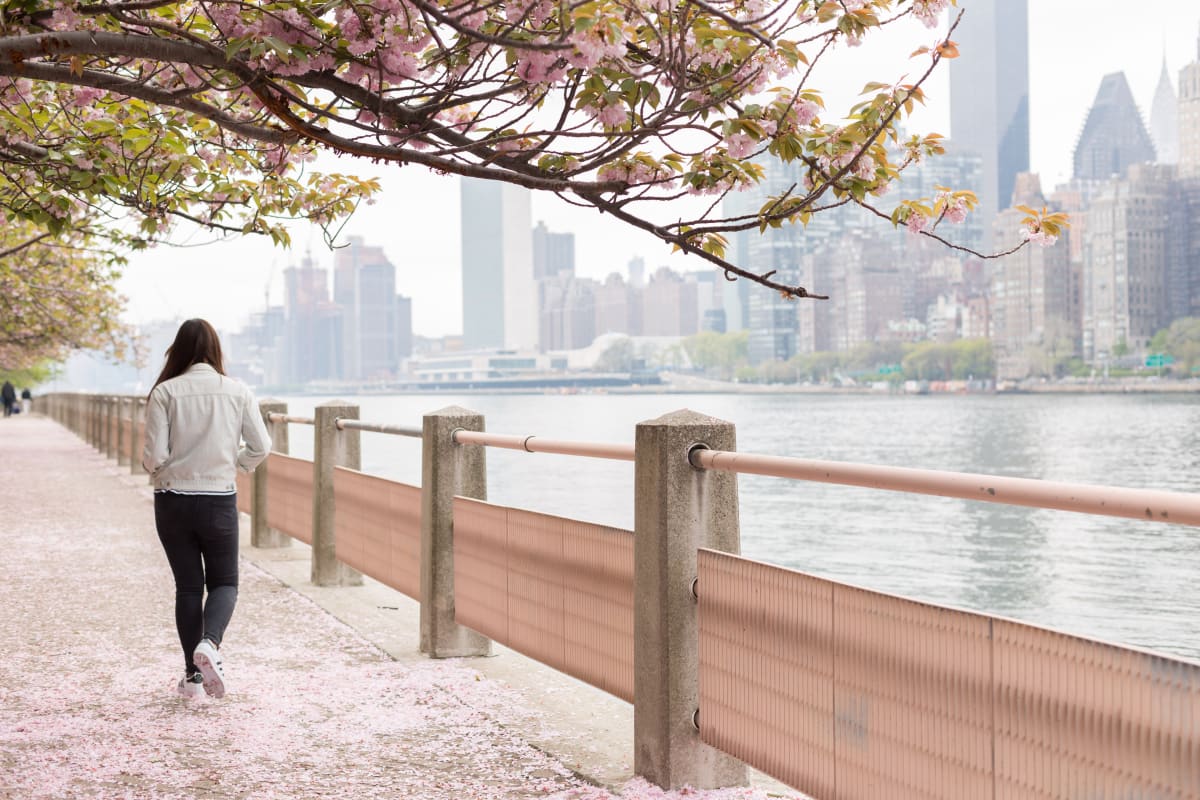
(277,417)
(1147,504)
(538,444)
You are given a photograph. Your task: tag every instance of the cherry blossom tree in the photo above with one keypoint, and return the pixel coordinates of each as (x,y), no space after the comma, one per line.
(213,110)
(57,294)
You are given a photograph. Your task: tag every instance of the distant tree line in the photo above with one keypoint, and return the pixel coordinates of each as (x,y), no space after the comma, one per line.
(725,356)
(1181,342)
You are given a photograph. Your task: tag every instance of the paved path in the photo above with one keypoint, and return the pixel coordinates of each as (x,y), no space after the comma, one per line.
(89,662)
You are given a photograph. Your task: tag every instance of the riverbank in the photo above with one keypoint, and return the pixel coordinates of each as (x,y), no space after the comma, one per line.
(678,384)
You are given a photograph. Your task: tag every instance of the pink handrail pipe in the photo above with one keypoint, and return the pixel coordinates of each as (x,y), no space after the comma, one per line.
(1145,504)
(538,444)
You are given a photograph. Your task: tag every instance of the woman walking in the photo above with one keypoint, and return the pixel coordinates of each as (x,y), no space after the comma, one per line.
(195,418)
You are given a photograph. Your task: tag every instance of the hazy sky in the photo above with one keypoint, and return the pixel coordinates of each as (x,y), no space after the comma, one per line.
(1073,43)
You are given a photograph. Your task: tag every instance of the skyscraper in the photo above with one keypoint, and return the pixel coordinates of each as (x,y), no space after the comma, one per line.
(1164,119)
(1030,304)
(499,292)
(364,285)
(1189,118)
(312,343)
(553,253)
(989,98)
(1132,271)
(1113,136)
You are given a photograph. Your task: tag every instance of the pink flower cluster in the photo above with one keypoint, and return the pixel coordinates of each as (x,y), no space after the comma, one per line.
(1037,236)
(791,113)
(716,176)
(740,145)
(591,47)
(608,114)
(586,50)
(636,172)
(928,11)
(956,208)
(541,66)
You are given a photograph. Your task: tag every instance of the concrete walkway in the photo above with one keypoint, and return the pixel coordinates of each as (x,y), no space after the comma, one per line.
(317,708)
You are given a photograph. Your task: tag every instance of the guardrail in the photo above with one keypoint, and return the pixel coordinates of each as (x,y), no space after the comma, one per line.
(839,691)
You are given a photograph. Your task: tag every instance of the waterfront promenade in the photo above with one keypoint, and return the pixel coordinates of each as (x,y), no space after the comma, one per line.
(318,708)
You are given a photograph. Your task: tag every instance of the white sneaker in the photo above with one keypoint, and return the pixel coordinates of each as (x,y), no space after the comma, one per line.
(207,659)
(191,688)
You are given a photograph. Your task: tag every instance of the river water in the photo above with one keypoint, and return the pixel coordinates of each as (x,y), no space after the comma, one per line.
(1120,580)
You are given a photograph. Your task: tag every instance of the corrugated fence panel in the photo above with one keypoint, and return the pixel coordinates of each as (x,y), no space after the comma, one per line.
(353,502)
(1078,718)
(245,492)
(597,574)
(378,528)
(766,669)
(555,589)
(912,698)
(404,545)
(848,694)
(289,496)
(535,586)
(481,567)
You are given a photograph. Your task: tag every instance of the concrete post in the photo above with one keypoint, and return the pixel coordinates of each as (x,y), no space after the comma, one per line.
(261,533)
(124,440)
(677,509)
(101,405)
(331,447)
(137,415)
(106,441)
(94,420)
(447,469)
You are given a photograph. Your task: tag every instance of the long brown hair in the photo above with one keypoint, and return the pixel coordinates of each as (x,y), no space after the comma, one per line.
(196,343)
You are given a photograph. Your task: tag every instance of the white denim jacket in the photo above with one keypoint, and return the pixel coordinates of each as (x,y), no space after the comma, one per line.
(194,423)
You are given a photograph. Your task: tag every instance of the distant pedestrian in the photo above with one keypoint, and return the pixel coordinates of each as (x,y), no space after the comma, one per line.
(8,393)
(195,418)
(26,400)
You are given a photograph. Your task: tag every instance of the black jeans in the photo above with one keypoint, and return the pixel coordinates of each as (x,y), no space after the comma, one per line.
(199,533)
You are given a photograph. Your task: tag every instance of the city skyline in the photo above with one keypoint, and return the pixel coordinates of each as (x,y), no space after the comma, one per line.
(226,282)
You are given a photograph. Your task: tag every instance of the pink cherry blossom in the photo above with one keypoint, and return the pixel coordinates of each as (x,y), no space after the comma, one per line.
(928,11)
(1038,237)
(613,115)
(86,95)
(740,145)
(957,211)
